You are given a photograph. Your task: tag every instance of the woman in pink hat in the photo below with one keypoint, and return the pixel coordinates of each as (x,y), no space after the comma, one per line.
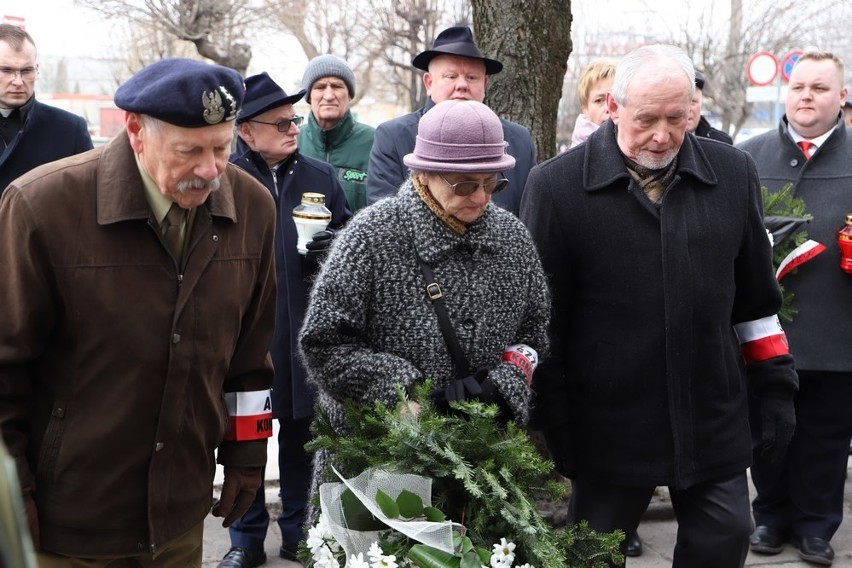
(439,245)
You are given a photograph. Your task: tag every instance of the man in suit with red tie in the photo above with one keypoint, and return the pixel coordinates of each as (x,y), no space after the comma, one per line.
(802,497)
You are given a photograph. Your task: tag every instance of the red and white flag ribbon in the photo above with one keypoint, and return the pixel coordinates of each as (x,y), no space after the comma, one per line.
(798,256)
(761,339)
(524,357)
(250,414)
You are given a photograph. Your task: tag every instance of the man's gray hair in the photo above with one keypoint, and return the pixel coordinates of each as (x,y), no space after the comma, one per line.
(153,125)
(629,65)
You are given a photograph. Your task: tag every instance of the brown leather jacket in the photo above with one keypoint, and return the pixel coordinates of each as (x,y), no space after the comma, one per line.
(113,369)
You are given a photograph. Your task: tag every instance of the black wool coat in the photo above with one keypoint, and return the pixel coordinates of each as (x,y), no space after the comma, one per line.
(292,396)
(48,134)
(645,380)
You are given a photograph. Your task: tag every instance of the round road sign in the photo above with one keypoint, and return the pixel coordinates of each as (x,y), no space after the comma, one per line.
(762,69)
(788,61)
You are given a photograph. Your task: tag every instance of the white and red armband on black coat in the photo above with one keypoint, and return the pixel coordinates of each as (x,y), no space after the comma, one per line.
(524,357)
(761,339)
(250,415)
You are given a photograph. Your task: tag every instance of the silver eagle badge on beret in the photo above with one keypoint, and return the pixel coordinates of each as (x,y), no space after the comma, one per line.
(214,112)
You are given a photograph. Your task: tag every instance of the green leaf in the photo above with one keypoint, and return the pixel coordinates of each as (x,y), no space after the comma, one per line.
(410,504)
(470,560)
(358,517)
(484,556)
(434,515)
(467,545)
(427,557)
(388,506)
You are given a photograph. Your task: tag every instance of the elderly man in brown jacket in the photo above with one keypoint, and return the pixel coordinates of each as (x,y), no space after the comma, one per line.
(138,305)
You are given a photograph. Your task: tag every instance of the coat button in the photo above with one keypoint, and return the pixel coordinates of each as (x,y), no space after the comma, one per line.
(175,338)
(215,238)
(159,446)
(794,162)
(468,324)
(58,412)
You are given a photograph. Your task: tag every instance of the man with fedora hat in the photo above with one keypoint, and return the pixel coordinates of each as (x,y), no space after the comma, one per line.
(455,69)
(267,148)
(138,308)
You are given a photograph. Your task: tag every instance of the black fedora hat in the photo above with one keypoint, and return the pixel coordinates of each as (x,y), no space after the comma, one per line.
(262,94)
(457,40)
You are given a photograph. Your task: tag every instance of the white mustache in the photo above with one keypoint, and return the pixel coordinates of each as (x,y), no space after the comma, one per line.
(198,183)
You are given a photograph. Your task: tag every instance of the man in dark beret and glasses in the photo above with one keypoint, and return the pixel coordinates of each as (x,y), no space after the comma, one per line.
(138,311)
(268,148)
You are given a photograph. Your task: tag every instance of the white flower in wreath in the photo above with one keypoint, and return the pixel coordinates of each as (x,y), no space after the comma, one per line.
(324,558)
(319,535)
(357,561)
(502,554)
(378,559)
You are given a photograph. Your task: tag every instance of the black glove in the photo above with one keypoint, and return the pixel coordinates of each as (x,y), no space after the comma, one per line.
(318,248)
(777,422)
(462,389)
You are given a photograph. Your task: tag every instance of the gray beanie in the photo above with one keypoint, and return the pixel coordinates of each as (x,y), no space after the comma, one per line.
(328,66)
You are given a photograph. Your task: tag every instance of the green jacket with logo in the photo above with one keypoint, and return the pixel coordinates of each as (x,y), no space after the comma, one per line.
(347,148)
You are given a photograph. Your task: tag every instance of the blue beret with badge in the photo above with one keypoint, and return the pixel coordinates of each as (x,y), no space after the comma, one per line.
(183,92)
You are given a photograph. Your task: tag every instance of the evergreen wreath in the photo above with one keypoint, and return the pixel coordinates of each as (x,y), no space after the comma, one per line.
(783,204)
(486,475)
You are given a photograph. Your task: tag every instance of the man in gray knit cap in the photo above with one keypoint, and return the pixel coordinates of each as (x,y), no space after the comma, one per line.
(332,134)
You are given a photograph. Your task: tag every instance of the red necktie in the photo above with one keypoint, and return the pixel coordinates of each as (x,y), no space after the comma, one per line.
(806,147)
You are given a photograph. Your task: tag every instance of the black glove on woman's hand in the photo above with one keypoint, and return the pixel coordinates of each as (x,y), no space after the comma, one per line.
(461,389)
(318,248)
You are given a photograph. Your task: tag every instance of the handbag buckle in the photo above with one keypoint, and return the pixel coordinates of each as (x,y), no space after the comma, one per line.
(434,291)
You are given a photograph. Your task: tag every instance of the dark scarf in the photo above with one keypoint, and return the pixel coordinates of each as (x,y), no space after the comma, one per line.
(652,182)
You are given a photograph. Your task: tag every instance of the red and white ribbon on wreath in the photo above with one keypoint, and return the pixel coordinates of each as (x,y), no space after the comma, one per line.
(798,256)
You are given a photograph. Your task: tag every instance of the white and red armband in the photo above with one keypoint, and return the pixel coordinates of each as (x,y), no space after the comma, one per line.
(761,339)
(524,357)
(250,415)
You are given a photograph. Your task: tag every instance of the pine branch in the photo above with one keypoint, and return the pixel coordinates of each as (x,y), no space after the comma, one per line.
(484,475)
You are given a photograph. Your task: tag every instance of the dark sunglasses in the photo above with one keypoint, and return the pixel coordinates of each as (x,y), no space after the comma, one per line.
(469,187)
(282,125)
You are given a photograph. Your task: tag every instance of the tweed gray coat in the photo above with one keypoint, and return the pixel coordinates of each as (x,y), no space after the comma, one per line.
(370,327)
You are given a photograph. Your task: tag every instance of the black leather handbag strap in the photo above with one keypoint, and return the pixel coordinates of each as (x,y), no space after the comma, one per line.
(436,295)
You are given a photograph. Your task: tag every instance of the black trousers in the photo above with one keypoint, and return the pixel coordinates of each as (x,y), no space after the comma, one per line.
(714,522)
(803,495)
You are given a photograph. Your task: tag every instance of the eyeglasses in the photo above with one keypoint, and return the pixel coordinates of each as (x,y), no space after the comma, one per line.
(283,125)
(26,74)
(469,187)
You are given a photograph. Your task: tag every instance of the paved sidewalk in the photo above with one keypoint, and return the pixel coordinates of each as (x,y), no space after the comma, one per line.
(658,531)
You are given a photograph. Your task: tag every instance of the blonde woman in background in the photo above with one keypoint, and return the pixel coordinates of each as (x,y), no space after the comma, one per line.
(595,81)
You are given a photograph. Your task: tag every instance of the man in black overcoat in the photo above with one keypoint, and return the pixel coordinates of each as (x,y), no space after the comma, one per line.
(665,306)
